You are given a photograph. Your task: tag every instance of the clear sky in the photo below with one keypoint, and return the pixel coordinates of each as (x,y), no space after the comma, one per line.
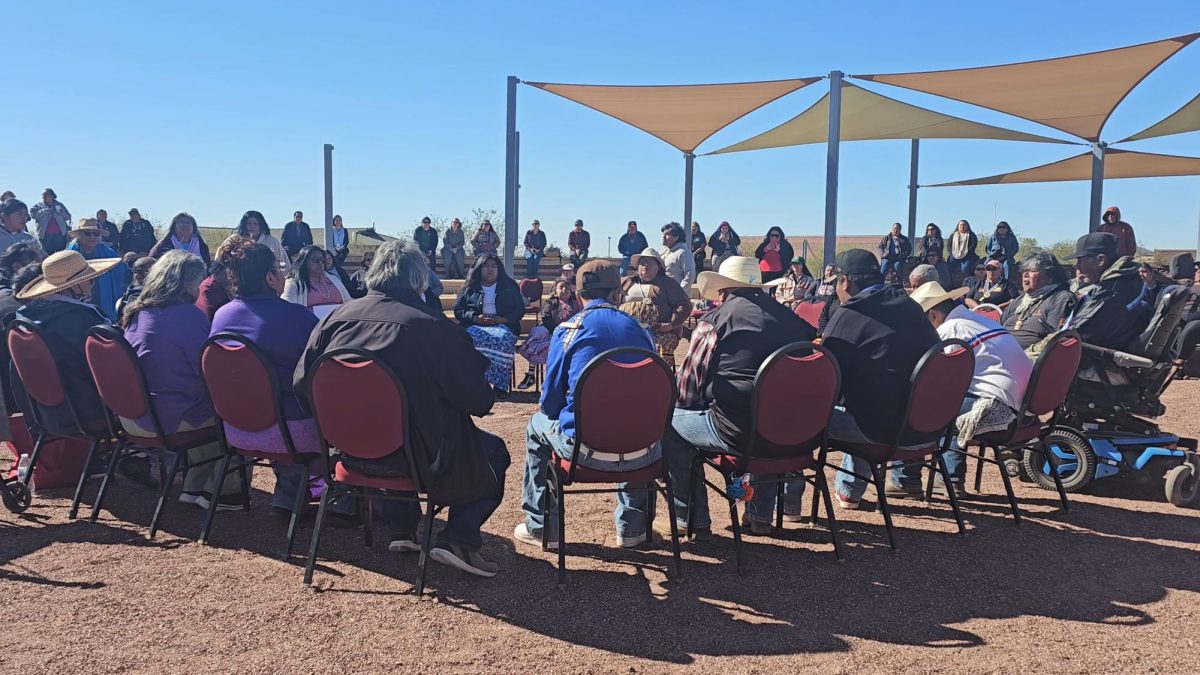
(219,107)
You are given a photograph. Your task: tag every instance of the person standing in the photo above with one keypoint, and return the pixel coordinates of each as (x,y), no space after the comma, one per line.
(578,243)
(296,235)
(341,242)
(661,304)
(963,245)
(13,217)
(774,254)
(698,244)
(1123,231)
(53,222)
(535,249)
(677,257)
(485,241)
(724,243)
(630,244)
(454,251)
(894,249)
(1004,246)
(112,236)
(183,235)
(110,286)
(427,241)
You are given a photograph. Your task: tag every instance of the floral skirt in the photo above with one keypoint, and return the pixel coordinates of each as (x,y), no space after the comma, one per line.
(499,345)
(537,346)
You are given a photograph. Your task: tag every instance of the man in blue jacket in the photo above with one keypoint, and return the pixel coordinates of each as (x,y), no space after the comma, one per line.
(110,286)
(599,327)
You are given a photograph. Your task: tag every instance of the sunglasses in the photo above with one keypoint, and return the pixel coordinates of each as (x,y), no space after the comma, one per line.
(89,234)
(978,269)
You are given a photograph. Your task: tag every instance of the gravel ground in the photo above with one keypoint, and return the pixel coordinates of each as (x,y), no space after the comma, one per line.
(1113,586)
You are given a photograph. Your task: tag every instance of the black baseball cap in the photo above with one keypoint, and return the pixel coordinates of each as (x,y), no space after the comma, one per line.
(1095,243)
(857,261)
(426,220)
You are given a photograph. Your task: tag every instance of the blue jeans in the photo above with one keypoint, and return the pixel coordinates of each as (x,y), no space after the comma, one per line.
(966,267)
(889,264)
(532,262)
(625,264)
(543,440)
(693,430)
(843,428)
(464,520)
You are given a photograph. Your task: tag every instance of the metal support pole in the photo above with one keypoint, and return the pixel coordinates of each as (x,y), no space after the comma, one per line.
(328,197)
(516,189)
(1097,186)
(688,165)
(510,176)
(913,162)
(831,165)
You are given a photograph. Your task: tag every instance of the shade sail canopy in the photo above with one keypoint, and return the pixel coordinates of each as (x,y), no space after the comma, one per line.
(869,116)
(1075,94)
(1117,164)
(682,115)
(1183,120)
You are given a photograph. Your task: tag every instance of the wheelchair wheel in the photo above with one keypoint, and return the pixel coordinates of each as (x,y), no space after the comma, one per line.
(1182,485)
(1076,461)
(16,497)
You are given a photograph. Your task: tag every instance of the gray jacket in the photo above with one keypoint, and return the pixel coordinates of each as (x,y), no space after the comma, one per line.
(42,213)
(8,239)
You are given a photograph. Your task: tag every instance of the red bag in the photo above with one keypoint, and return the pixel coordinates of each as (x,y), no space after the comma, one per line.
(59,463)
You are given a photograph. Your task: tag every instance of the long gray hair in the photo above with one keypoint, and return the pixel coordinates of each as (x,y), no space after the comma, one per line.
(1048,265)
(398,266)
(174,279)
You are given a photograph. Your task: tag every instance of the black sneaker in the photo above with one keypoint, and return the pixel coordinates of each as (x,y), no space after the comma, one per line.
(502,395)
(224,503)
(468,561)
(527,382)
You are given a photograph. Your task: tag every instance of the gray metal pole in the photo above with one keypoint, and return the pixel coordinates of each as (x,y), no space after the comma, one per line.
(688,162)
(510,176)
(328,197)
(913,162)
(831,165)
(516,190)
(1097,186)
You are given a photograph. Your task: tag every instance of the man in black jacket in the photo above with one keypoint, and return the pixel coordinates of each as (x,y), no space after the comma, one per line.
(446,389)
(1109,313)
(112,237)
(137,234)
(878,335)
(630,244)
(427,241)
(1044,307)
(296,235)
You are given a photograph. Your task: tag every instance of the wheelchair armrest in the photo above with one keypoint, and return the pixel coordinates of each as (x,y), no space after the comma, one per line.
(1119,358)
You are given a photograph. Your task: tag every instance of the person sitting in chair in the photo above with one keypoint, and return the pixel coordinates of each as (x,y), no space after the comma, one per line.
(1044,306)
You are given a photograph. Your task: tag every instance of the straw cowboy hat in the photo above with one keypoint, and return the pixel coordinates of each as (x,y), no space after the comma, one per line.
(86,225)
(63,270)
(931,294)
(648,253)
(736,272)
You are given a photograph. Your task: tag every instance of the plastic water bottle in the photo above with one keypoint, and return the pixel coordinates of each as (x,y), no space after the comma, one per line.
(23,467)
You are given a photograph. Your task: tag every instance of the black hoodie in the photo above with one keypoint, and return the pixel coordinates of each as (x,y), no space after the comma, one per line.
(878,336)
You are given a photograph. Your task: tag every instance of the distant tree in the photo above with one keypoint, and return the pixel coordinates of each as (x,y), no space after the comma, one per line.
(1062,249)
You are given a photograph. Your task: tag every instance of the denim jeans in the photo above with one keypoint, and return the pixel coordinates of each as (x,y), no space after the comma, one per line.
(890,265)
(625,264)
(543,440)
(532,262)
(291,479)
(693,429)
(956,463)
(843,428)
(464,520)
(966,267)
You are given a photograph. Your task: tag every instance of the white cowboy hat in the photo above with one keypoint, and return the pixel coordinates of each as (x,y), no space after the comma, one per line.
(931,294)
(648,253)
(63,270)
(736,272)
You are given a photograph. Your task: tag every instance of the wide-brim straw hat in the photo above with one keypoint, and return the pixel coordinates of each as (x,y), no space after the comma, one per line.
(648,253)
(86,225)
(931,294)
(63,270)
(736,272)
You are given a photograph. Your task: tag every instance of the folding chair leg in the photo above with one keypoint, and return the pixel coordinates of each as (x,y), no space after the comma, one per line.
(979,469)
(929,482)
(779,502)
(426,537)
(950,492)
(878,472)
(244,476)
(364,504)
(816,496)
(691,495)
(316,537)
(212,505)
(114,459)
(33,456)
(297,507)
(168,481)
(83,476)
(737,530)
(1008,488)
(1062,492)
(822,487)
(667,492)
(562,532)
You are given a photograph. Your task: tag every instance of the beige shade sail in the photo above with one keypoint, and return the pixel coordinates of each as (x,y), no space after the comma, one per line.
(682,115)
(1075,94)
(1117,164)
(1181,121)
(869,116)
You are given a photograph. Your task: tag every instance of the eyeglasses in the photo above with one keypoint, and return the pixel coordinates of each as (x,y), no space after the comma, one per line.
(978,269)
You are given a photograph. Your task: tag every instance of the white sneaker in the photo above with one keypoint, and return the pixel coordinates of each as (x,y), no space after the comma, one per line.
(191,498)
(522,534)
(404,545)
(631,542)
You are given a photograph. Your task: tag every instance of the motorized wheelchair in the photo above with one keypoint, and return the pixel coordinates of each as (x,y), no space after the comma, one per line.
(1105,427)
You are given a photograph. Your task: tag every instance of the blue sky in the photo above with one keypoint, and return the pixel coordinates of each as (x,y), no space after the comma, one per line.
(219,107)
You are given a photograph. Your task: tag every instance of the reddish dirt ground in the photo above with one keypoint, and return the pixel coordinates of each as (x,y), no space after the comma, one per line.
(1112,586)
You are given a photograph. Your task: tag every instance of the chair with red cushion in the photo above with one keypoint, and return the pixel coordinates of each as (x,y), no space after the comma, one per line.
(122,387)
(795,391)
(937,390)
(1053,375)
(810,312)
(990,311)
(244,391)
(42,382)
(361,408)
(531,290)
(624,401)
